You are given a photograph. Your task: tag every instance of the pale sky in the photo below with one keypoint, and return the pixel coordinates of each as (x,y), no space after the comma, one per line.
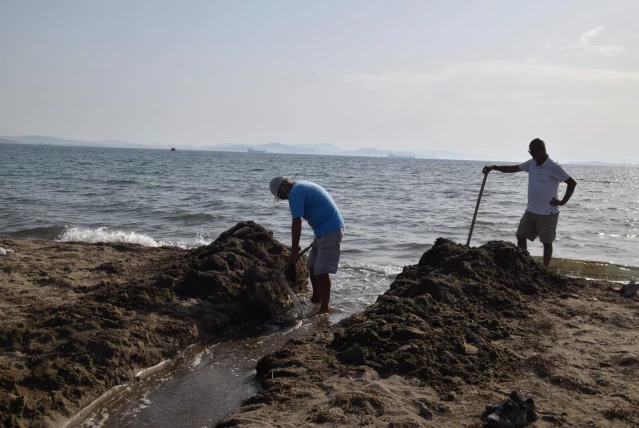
(469,76)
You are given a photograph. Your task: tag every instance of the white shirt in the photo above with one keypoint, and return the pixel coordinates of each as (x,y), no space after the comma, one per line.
(543,184)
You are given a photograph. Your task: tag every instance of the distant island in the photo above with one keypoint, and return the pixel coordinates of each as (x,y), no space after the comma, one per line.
(270,148)
(322,149)
(393,155)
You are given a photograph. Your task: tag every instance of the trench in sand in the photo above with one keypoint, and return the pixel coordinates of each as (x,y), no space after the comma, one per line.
(204,384)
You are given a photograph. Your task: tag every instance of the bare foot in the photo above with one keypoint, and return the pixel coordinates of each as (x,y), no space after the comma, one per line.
(324,311)
(316,299)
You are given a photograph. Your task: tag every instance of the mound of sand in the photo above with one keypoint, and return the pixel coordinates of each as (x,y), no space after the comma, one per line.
(77,319)
(455,332)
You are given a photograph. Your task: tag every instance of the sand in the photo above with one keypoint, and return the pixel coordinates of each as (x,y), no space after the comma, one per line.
(457,331)
(454,333)
(77,319)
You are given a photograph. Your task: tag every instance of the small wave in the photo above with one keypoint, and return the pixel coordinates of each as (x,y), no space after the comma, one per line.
(193,217)
(615,235)
(121,182)
(196,362)
(416,246)
(386,270)
(97,421)
(49,232)
(104,234)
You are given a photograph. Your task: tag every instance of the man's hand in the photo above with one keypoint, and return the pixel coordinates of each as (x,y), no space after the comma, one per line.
(294,255)
(556,202)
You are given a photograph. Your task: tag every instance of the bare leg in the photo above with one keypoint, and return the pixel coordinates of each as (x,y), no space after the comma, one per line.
(547,253)
(522,243)
(315,298)
(324,282)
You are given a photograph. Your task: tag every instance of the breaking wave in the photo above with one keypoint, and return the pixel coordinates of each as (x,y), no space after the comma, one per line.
(104,234)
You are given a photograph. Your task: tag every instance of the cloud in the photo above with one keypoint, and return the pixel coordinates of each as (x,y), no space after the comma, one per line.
(585,37)
(583,43)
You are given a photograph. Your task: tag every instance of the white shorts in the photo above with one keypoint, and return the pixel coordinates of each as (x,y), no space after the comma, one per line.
(324,256)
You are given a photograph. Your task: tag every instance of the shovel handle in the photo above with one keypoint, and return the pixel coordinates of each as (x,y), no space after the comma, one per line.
(287,264)
(472,225)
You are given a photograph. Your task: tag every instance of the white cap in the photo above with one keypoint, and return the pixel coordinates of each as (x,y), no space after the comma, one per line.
(275,184)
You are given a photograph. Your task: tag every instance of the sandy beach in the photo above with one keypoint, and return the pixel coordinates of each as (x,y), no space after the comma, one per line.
(79,318)
(457,331)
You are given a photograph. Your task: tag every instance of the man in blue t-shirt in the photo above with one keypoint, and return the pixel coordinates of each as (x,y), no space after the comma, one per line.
(313,203)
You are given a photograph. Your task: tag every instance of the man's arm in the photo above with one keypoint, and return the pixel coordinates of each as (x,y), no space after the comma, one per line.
(508,169)
(569,191)
(296,231)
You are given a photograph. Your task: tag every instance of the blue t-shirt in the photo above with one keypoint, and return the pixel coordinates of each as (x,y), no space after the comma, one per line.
(315,205)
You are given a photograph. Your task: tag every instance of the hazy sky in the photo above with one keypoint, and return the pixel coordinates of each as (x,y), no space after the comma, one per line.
(470,76)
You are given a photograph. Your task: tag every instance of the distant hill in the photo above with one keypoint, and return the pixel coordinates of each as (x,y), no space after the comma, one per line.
(270,148)
(366,152)
(40,139)
(325,149)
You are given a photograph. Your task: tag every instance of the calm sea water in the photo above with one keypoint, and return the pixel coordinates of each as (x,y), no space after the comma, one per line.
(394,209)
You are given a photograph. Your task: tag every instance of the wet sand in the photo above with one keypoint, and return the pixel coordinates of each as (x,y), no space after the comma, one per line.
(78,319)
(454,333)
(457,331)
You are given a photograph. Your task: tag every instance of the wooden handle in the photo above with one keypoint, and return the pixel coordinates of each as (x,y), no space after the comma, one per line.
(472,225)
(286,265)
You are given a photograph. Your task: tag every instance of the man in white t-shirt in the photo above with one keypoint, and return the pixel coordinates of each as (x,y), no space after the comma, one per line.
(542,212)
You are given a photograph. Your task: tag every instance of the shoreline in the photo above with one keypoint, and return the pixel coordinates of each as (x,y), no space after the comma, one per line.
(79,319)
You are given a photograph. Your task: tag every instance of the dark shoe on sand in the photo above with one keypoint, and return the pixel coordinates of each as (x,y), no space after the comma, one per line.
(507,414)
(629,290)
(531,408)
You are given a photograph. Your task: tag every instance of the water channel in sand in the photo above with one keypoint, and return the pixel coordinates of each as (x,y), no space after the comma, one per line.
(205,384)
(201,386)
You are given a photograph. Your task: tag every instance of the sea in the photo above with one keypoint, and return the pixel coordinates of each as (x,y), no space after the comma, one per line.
(393,208)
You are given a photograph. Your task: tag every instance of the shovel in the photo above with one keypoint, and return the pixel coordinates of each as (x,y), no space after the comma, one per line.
(472,225)
(279,278)
(288,263)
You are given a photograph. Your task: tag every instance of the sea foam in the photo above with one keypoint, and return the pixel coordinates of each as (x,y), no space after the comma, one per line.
(104,234)
(385,270)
